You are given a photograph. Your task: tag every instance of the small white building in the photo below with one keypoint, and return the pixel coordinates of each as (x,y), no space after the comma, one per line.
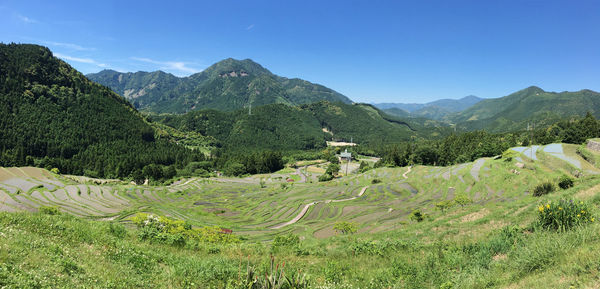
(346,156)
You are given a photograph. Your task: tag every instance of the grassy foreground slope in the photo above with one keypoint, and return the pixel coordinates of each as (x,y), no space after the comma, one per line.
(492,242)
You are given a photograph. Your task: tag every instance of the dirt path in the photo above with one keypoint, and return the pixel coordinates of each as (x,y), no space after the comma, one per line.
(296,218)
(307,206)
(302,175)
(404,174)
(348,199)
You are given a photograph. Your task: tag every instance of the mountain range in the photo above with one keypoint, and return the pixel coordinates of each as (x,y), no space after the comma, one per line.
(529,105)
(50,109)
(226,85)
(433,110)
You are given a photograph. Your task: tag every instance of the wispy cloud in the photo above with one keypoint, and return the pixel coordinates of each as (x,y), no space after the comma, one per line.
(169,65)
(82,60)
(250,27)
(26,19)
(70,46)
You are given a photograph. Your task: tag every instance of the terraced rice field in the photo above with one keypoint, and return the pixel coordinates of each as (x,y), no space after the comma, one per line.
(310,209)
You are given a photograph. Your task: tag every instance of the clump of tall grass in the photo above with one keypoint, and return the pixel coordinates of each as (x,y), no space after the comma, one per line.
(564,215)
(565,182)
(543,189)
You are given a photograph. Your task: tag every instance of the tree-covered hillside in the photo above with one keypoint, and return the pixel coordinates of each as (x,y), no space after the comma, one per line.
(53,116)
(284,127)
(227,85)
(368,125)
(532,105)
(274,127)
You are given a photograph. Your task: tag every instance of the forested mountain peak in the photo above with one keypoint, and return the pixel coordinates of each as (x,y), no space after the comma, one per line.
(532,104)
(233,68)
(227,85)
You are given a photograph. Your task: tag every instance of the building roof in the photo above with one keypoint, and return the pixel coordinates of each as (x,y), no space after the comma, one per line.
(346,154)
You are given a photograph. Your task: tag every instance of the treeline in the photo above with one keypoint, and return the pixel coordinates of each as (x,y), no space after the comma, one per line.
(469,146)
(456,148)
(573,131)
(237,163)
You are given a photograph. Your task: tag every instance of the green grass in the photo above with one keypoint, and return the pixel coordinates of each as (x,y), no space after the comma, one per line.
(64,252)
(493,242)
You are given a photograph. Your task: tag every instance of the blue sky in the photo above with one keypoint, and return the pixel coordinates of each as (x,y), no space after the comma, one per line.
(371,51)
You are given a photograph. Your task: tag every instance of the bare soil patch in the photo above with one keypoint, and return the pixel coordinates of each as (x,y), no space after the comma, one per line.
(37,173)
(588,193)
(475,216)
(325,232)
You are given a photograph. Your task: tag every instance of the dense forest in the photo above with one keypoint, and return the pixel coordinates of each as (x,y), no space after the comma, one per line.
(52,116)
(282,127)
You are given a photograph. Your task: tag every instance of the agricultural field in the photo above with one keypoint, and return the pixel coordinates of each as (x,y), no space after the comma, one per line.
(262,206)
(383,204)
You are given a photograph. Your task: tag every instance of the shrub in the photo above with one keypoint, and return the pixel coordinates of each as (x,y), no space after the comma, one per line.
(564,215)
(274,277)
(333,169)
(462,200)
(286,240)
(565,182)
(509,154)
(417,215)
(177,232)
(117,230)
(543,189)
(325,178)
(346,227)
(444,205)
(214,250)
(49,210)
(234,169)
(375,181)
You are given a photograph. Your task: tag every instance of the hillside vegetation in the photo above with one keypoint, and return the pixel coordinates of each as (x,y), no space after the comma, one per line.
(226,85)
(53,116)
(306,127)
(530,105)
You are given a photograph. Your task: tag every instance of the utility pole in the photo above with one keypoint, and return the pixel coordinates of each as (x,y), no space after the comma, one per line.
(347,163)
(532,129)
(250,109)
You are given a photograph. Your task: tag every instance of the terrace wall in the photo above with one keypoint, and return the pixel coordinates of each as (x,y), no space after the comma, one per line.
(593,145)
